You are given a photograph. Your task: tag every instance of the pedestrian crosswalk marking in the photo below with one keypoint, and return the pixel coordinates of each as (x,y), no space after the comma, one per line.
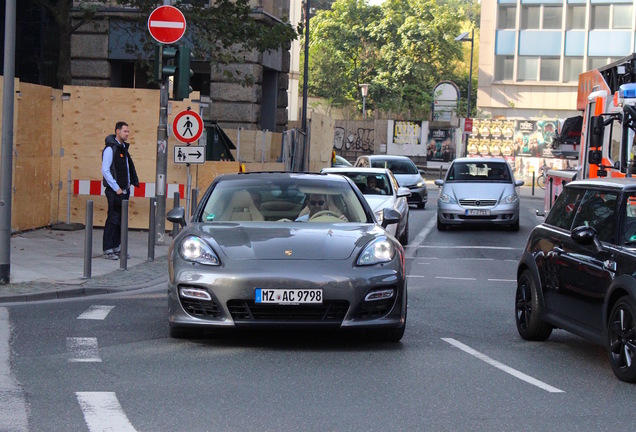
(96,312)
(83,350)
(102,412)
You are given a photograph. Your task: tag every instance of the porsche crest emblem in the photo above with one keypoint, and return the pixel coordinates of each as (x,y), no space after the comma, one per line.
(288,252)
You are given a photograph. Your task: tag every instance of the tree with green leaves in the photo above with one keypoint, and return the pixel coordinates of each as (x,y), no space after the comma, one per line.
(222,33)
(402,48)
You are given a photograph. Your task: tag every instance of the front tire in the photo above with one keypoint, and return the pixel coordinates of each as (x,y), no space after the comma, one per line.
(389,335)
(528,310)
(621,339)
(441,226)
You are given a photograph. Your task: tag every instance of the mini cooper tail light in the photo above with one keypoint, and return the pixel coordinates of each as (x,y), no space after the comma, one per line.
(195,293)
(379,295)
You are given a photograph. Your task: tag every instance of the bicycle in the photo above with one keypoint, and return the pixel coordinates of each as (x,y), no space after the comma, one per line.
(541,179)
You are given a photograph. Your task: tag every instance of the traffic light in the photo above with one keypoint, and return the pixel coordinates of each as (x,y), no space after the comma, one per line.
(164,65)
(181,86)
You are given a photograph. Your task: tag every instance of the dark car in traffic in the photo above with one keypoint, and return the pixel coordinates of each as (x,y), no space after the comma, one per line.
(578,271)
(286,250)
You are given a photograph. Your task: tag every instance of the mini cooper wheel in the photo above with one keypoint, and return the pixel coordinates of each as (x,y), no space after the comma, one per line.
(621,339)
(528,310)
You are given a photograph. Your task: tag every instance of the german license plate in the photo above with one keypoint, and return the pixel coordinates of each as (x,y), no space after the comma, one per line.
(478,212)
(288,296)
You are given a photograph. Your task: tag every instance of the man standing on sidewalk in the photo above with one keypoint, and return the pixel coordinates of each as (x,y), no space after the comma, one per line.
(118,173)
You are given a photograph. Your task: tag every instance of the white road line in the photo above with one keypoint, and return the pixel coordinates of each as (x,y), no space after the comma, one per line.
(103,413)
(477,259)
(468,247)
(96,312)
(515,373)
(410,251)
(454,278)
(83,350)
(502,280)
(13,410)
(417,276)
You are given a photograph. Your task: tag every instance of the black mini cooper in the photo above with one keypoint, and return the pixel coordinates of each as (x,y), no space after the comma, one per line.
(578,270)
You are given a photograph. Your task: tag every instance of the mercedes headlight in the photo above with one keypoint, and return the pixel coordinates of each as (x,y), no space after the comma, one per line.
(510,199)
(445,198)
(380,250)
(194,249)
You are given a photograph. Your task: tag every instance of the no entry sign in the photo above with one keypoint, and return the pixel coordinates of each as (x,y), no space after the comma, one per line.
(187,126)
(166,24)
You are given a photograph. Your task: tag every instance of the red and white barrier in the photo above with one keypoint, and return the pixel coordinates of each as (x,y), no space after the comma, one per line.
(145,190)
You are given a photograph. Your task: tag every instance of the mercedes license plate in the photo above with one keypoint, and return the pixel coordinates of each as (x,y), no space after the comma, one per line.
(288,296)
(478,212)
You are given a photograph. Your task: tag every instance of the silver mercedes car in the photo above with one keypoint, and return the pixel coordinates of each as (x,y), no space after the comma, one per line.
(478,191)
(286,249)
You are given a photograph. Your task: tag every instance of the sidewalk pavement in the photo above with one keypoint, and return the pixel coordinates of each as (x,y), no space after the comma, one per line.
(49,264)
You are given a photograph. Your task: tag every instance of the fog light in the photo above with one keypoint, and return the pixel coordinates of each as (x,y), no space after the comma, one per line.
(379,295)
(195,293)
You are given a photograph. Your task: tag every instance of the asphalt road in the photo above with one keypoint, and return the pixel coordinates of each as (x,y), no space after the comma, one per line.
(107,363)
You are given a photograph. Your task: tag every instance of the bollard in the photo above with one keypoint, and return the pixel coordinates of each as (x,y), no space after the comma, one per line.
(533,181)
(440,172)
(123,255)
(195,197)
(175,227)
(88,240)
(151,229)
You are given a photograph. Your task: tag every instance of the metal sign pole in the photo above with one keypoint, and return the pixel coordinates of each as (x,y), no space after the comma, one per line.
(162,164)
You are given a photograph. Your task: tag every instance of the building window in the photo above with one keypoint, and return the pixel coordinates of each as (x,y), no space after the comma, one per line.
(622,16)
(527,68)
(549,69)
(597,62)
(504,66)
(507,17)
(576,18)
(573,66)
(531,17)
(600,17)
(552,17)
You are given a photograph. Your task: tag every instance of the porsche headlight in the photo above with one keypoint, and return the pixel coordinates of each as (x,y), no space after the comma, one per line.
(194,249)
(510,199)
(446,199)
(378,251)
(420,184)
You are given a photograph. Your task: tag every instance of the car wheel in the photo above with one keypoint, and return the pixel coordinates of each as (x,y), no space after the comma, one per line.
(621,339)
(528,310)
(404,238)
(441,226)
(421,205)
(514,226)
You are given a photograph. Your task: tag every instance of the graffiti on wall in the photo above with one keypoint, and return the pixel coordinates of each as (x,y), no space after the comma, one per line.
(362,139)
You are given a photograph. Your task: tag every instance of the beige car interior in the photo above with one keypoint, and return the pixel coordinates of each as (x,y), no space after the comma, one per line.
(241,208)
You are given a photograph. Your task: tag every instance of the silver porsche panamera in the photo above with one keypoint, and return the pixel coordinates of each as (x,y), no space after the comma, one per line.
(285,249)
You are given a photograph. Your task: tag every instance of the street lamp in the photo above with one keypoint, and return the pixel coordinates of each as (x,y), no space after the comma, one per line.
(364,88)
(464,38)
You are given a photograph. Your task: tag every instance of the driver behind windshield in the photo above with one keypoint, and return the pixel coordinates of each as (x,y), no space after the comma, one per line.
(316,203)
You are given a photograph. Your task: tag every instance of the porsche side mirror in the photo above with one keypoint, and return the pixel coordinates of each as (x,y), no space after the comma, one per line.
(439,182)
(177,215)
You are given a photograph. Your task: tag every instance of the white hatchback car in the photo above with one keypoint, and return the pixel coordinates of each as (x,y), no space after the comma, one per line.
(479,190)
(381,190)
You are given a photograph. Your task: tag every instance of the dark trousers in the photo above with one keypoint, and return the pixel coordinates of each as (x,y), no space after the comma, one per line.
(112,227)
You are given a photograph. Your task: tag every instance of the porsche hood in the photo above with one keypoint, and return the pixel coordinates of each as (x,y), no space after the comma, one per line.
(256,241)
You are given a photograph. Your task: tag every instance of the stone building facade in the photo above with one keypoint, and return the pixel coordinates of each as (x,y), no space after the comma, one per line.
(101,56)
